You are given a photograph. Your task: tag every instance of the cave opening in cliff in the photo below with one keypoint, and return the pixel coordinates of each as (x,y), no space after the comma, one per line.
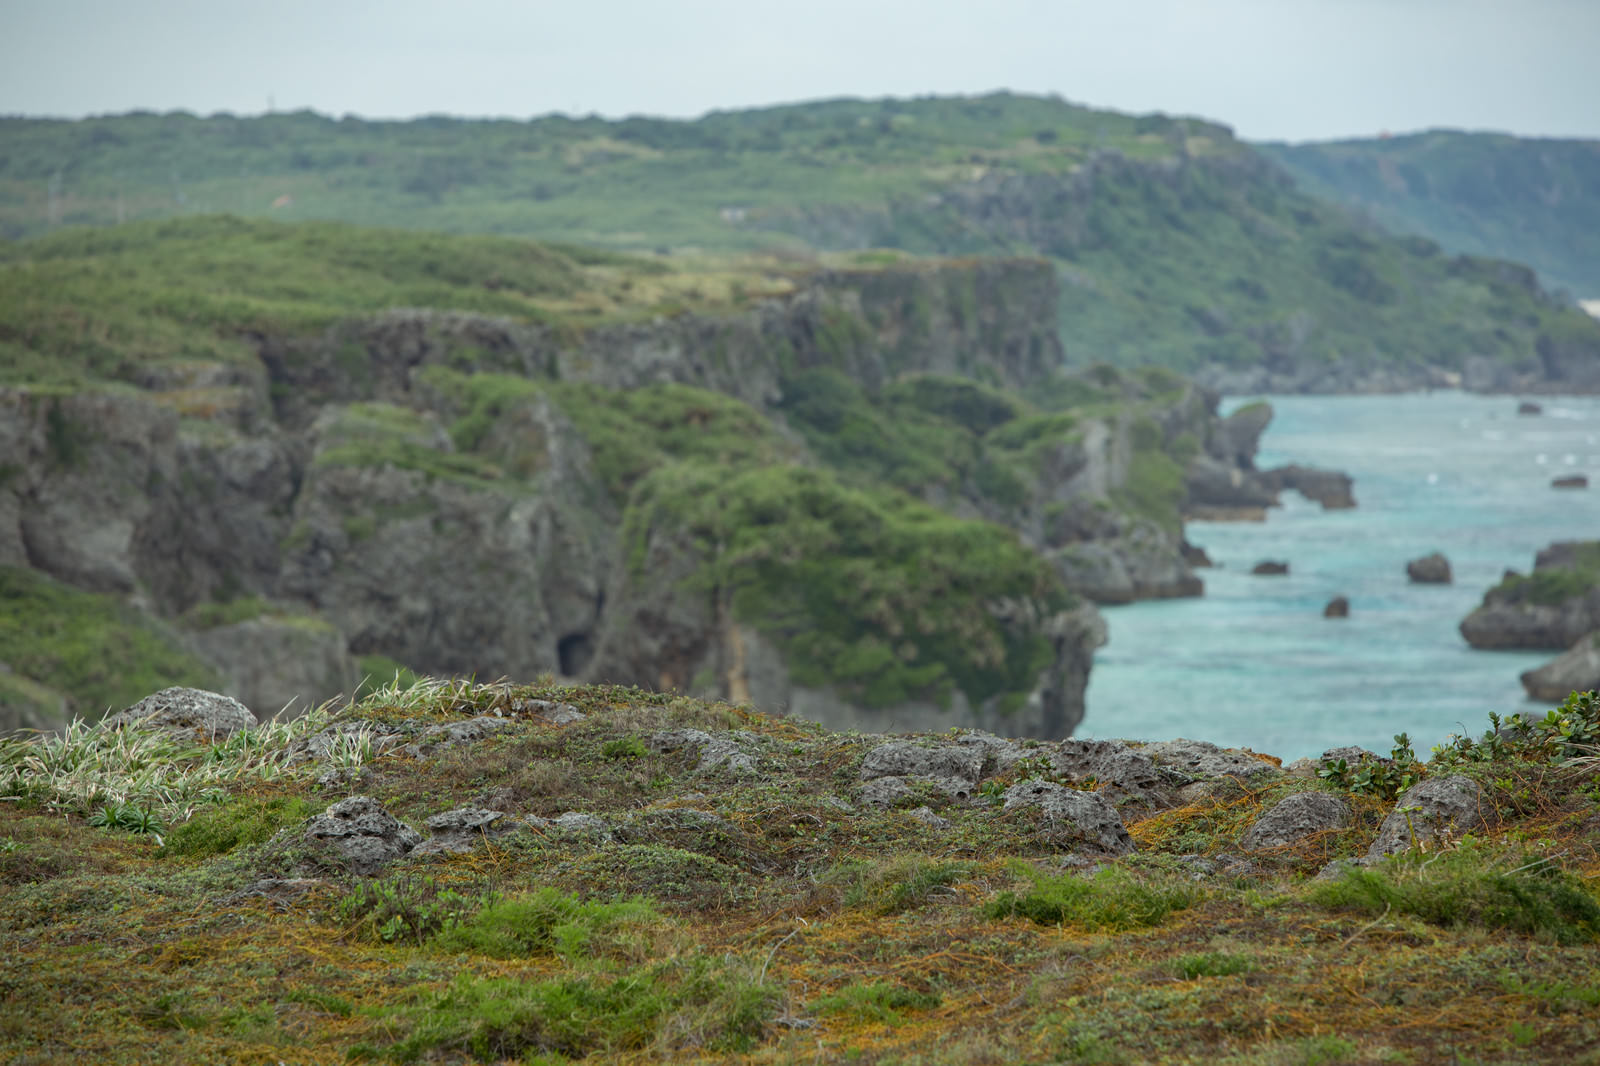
(574,652)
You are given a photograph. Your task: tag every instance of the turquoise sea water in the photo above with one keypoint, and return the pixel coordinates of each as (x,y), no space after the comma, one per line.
(1254,663)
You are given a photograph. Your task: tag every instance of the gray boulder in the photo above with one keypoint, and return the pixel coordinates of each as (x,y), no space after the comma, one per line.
(453,734)
(907,758)
(363,835)
(1575,670)
(1200,759)
(1294,818)
(188,711)
(715,752)
(1338,607)
(1125,770)
(1270,568)
(1429,570)
(1082,816)
(885,791)
(1436,810)
(463,829)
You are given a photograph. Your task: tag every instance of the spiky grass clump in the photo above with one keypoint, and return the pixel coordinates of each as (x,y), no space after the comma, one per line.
(87,767)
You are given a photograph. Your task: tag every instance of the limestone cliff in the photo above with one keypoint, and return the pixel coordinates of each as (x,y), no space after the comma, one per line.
(865,494)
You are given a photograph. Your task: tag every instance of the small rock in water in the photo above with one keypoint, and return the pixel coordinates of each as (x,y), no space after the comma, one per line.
(1527,408)
(1429,570)
(1338,607)
(1270,568)
(1571,481)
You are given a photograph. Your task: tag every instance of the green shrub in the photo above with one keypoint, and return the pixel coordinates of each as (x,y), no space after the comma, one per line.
(1212,964)
(624,748)
(1112,900)
(96,650)
(1472,886)
(547,921)
(717,1005)
(875,1001)
(899,883)
(405,909)
(238,823)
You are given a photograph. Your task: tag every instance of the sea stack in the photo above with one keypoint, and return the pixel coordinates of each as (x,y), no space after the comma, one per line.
(1429,570)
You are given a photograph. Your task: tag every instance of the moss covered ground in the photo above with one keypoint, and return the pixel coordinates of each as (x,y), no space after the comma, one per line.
(766,917)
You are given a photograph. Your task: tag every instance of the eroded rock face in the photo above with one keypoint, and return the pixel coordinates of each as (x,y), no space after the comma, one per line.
(1201,759)
(362,834)
(1429,570)
(1125,770)
(463,829)
(279,664)
(726,752)
(187,710)
(1081,816)
(1438,809)
(1294,818)
(1575,670)
(1332,489)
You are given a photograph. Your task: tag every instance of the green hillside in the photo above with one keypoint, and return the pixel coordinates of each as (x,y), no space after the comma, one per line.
(1177,244)
(1535,200)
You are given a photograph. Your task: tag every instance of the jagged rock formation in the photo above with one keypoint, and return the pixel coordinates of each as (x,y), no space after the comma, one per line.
(1223,483)
(1550,609)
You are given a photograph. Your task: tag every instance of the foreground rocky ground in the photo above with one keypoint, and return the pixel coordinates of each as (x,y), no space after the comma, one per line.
(459,872)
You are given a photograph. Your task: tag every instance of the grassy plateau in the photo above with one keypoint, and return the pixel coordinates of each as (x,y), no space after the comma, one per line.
(161,903)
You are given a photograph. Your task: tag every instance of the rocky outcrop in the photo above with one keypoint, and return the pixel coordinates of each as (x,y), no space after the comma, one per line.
(1294,819)
(1571,481)
(334,482)
(358,834)
(1330,488)
(1551,609)
(1270,568)
(1338,607)
(282,664)
(1084,818)
(187,711)
(1575,670)
(1431,569)
(1432,814)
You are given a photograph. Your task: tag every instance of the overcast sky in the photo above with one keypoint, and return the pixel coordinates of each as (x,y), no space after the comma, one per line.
(1273,69)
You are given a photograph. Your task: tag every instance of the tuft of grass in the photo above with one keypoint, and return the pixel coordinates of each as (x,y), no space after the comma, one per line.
(1112,900)
(85,767)
(717,1005)
(875,1001)
(1212,964)
(239,822)
(1473,886)
(547,921)
(898,883)
(624,748)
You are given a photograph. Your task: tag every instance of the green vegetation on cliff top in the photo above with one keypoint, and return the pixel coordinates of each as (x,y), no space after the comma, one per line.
(1176,243)
(1536,200)
(70,652)
(770,918)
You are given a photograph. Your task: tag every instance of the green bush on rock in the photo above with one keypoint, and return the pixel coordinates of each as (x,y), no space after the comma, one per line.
(875,593)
